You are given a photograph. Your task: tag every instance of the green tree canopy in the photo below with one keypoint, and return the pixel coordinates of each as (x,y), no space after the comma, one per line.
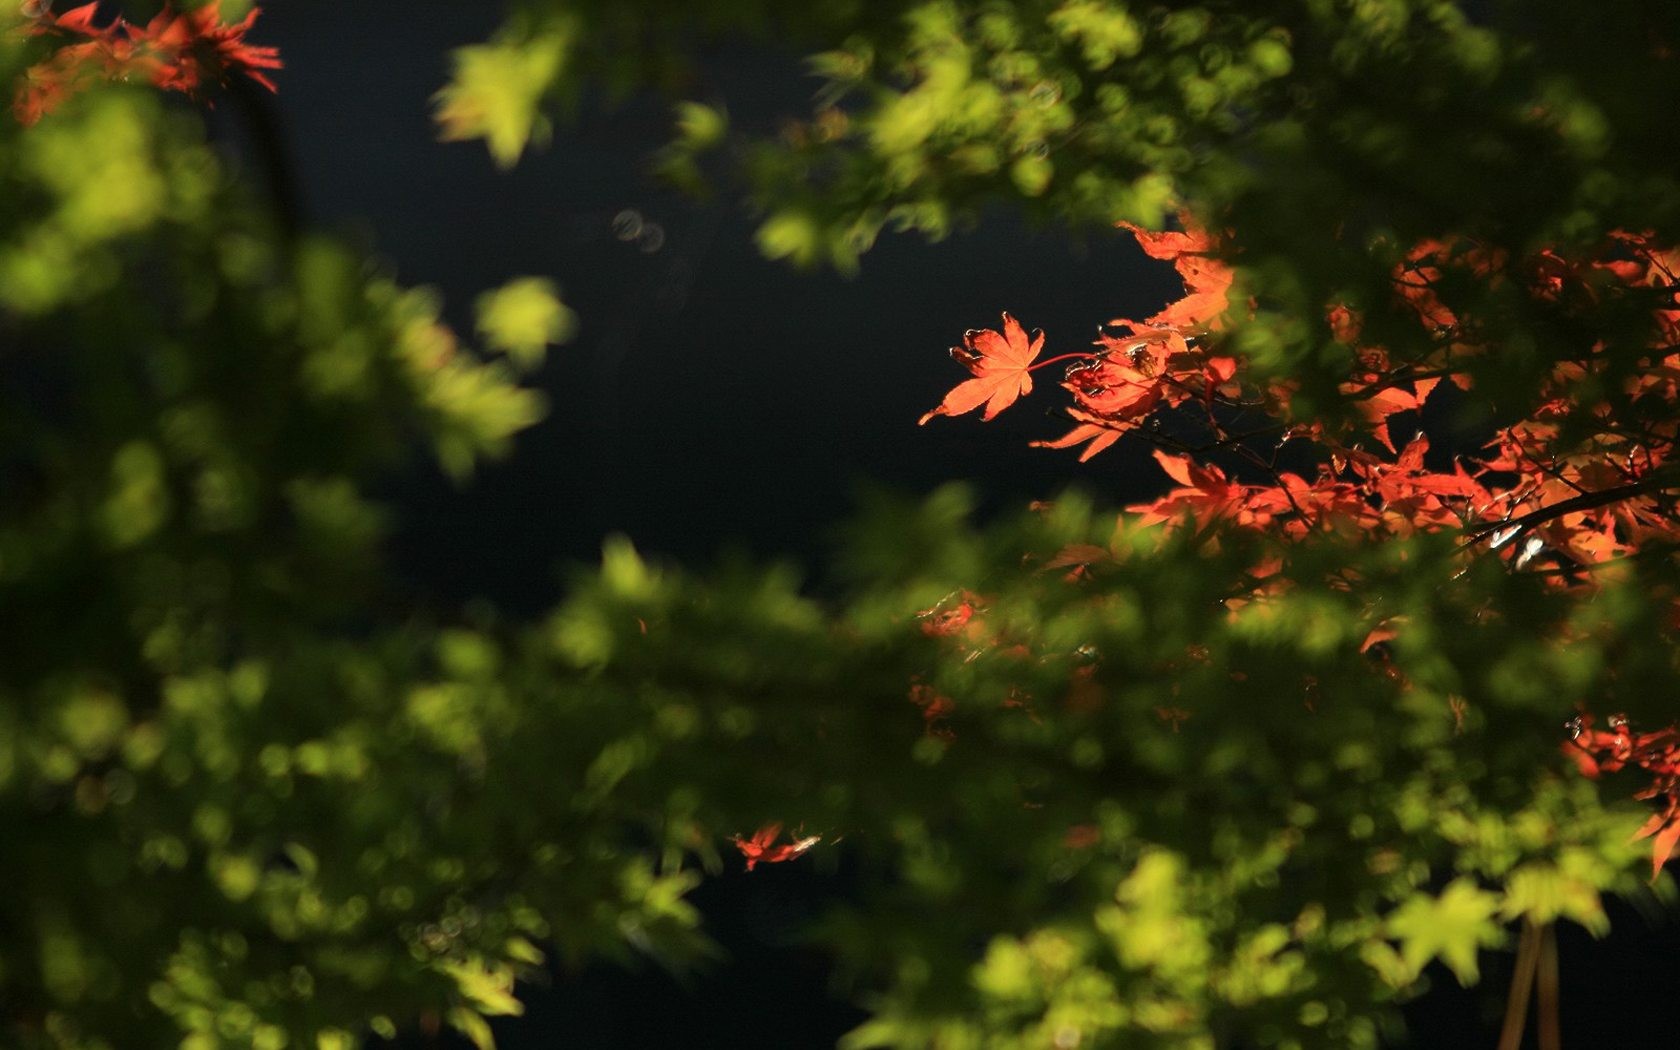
(247,799)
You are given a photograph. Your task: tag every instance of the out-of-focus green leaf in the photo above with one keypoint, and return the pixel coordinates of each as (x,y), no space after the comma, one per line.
(523,318)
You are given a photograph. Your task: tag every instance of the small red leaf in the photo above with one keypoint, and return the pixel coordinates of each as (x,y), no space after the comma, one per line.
(1663,845)
(1650,827)
(1177,467)
(761,848)
(1099,436)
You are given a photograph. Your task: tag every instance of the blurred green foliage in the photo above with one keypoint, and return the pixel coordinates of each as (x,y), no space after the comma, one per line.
(248,800)
(1326,136)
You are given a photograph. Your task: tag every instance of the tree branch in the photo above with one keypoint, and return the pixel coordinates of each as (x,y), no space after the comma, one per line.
(1665,479)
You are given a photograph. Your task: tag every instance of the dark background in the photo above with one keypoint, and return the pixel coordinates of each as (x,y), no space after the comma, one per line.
(716,402)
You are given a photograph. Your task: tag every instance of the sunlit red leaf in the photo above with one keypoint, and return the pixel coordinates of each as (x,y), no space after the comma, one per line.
(761,848)
(1001,364)
(1098,432)
(1662,846)
(78,19)
(1207,281)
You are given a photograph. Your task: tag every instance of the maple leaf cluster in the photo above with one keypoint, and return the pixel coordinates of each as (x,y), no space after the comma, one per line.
(181,51)
(1599,498)
(1598,751)
(1584,480)
(1141,365)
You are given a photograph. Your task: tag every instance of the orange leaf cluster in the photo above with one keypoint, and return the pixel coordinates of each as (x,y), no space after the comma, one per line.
(1599,751)
(1139,366)
(176,51)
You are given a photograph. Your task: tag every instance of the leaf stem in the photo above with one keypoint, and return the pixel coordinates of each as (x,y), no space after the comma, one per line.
(1079,355)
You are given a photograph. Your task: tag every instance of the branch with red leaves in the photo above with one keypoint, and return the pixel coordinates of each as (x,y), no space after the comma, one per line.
(1583,480)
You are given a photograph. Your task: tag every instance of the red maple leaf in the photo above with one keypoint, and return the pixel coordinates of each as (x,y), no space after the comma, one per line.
(761,847)
(1205,495)
(1207,281)
(1001,363)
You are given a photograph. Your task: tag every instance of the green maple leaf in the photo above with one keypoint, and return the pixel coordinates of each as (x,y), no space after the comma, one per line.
(497,90)
(1453,927)
(523,318)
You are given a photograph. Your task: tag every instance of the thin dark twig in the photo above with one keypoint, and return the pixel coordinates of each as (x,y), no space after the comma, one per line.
(1551,1030)
(1407,376)
(1646,555)
(1552,471)
(1231,441)
(1277,479)
(1522,980)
